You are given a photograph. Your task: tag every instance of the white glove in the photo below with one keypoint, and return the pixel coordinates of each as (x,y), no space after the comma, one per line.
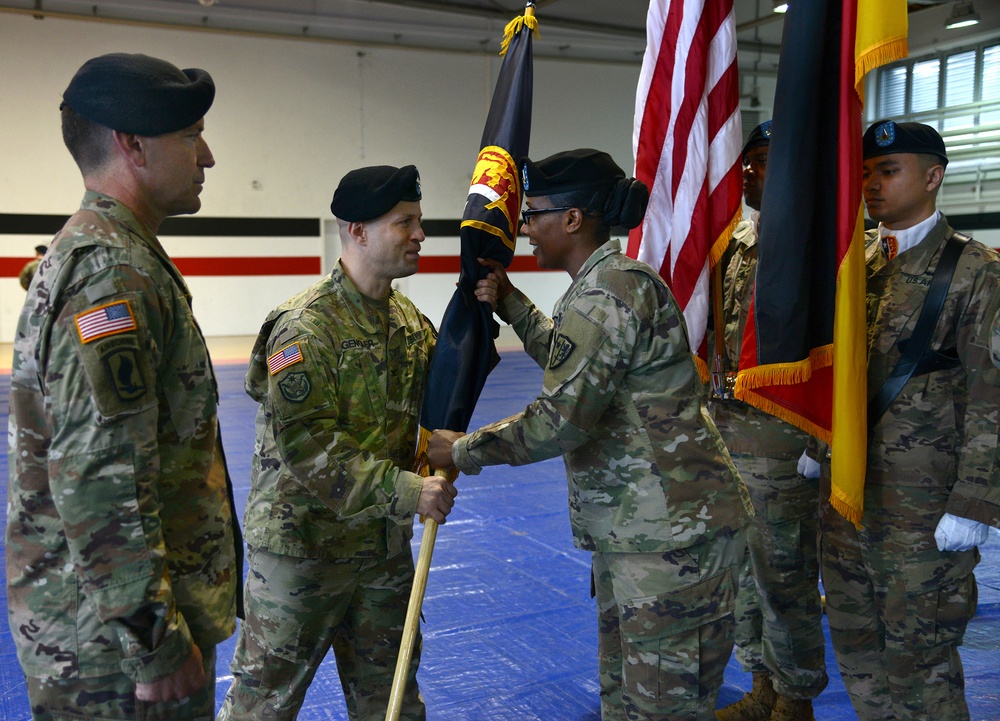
(807,466)
(954,533)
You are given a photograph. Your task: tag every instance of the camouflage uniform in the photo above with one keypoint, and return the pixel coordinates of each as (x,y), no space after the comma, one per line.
(779,613)
(652,492)
(330,513)
(28,272)
(898,607)
(120,543)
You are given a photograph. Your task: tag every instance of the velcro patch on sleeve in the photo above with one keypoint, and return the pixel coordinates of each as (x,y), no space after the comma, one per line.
(105,320)
(287,356)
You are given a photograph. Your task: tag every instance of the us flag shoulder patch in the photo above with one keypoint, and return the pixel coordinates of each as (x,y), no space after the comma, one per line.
(105,320)
(289,355)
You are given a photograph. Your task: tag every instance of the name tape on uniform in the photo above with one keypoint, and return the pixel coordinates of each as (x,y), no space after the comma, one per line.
(105,320)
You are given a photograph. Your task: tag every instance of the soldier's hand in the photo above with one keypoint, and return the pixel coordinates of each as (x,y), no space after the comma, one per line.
(183,682)
(439,449)
(436,498)
(495,286)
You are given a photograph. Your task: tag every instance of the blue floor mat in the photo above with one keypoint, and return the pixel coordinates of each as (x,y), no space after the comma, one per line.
(510,631)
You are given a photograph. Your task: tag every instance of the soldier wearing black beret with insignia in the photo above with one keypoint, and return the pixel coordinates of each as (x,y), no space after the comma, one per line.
(653,493)
(900,590)
(123,554)
(339,372)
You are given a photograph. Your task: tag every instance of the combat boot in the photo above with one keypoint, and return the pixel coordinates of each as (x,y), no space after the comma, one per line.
(756,704)
(792,709)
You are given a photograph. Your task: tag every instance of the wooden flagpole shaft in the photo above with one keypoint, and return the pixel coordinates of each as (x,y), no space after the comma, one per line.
(412,623)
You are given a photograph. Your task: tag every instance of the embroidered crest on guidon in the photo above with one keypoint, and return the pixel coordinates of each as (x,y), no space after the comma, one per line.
(295,387)
(495,180)
(562,348)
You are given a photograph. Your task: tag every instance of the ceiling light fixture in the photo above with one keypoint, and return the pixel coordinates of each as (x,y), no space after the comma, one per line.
(962,15)
(780,6)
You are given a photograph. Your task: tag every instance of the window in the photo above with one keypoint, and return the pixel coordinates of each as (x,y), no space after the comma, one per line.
(957,92)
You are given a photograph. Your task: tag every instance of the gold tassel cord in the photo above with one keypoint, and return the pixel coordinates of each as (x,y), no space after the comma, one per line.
(528,20)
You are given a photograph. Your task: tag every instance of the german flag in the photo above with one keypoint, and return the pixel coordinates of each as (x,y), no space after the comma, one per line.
(804,354)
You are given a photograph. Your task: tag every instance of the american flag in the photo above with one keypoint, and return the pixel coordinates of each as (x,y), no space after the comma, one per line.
(289,355)
(687,139)
(106,320)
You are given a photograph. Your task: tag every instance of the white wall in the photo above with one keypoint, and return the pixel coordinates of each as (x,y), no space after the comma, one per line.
(289,119)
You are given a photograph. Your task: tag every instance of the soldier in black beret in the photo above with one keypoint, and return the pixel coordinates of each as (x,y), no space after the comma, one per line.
(339,371)
(135,580)
(901,588)
(653,494)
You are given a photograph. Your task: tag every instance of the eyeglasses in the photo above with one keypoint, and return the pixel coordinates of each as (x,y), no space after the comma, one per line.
(529,213)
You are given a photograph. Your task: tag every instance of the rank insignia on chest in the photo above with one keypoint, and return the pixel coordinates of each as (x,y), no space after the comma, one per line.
(295,387)
(289,355)
(105,320)
(562,348)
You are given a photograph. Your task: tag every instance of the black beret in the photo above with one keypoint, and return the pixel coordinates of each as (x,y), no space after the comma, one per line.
(368,193)
(761,135)
(886,137)
(570,170)
(139,94)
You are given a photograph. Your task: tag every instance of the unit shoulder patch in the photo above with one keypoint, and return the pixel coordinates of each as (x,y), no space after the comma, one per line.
(562,349)
(295,387)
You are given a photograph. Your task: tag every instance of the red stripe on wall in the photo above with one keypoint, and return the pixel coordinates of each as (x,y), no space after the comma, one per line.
(284,265)
(11,267)
(254,265)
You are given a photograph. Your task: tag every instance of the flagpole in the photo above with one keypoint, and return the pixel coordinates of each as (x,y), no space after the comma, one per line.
(422,569)
(412,622)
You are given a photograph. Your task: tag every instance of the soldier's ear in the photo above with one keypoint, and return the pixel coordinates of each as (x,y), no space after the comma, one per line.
(130,146)
(935,174)
(357,232)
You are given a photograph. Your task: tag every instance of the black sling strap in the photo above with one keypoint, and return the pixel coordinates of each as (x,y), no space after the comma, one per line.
(917,344)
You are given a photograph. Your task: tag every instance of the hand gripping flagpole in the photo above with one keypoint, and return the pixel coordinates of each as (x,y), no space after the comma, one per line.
(412,622)
(505,137)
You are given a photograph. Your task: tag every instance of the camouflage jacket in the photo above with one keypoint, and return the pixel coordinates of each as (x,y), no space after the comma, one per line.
(744,428)
(333,470)
(28,272)
(623,404)
(941,431)
(120,545)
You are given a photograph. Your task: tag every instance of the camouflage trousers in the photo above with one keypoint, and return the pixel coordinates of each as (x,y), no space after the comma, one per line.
(296,610)
(898,608)
(779,613)
(665,629)
(113,697)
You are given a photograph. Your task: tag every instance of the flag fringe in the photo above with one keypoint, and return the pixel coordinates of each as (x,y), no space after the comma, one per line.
(875,56)
(779,411)
(721,243)
(422,466)
(702,367)
(851,510)
(528,20)
(774,374)
(777,374)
